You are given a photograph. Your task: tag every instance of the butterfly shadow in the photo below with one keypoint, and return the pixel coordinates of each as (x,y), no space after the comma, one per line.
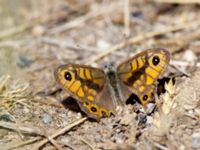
(71,104)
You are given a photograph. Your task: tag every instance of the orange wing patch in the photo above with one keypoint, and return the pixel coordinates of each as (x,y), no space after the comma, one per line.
(141,71)
(79,81)
(96,110)
(85,84)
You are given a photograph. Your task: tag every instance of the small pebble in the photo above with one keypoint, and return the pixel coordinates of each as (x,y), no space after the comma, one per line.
(117,130)
(189,56)
(119,141)
(26,110)
(79,116)
(46,118)
(38,30)
(6,117)
(196,140)
(181,147)
(24,61)
(194,122)
(65,140)
(101,44)
(128,119)
(3,132)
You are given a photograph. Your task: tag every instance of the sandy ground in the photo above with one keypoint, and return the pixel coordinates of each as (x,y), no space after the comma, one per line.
(38,36)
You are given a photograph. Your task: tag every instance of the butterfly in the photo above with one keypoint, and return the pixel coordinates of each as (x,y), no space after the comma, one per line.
(98,92)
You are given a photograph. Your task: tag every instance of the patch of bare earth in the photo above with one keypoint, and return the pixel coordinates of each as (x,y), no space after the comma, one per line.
(38,36)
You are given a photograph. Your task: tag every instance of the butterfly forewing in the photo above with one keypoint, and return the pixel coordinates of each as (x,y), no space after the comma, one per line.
(87,85)
(141,71)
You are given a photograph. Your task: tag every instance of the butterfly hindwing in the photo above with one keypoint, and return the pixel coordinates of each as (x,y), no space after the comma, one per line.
(141,71)
(88,85)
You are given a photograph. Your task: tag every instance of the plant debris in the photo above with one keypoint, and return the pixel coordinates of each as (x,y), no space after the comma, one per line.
(38,36)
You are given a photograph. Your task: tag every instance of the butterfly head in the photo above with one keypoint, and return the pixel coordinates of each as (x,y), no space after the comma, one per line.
(110,70)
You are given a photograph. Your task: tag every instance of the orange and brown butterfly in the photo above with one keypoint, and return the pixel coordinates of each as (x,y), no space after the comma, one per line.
(98,91)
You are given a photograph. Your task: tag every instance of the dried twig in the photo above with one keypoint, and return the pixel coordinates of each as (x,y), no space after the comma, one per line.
(178,1)
(54,143)
(22,129)
(86,142)
(38,20)
(126,18)
(181,41)
(42,102)
(142,37)
(68,145)
(25,143)
(81,20)
(13,44)
(61,131)
(38,131)
(183,63)
(64,44)
(161,147)
(15,30)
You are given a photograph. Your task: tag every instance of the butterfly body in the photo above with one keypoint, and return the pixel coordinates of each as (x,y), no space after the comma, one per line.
(98,92)
(114,84)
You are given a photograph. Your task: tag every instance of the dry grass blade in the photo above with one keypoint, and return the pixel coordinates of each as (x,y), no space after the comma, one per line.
(61,131)
(12,93)
(3,81)
(37,36)
(176,106)
(168,100)
(163,118)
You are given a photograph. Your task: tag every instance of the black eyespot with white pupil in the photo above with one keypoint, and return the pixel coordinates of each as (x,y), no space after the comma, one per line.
(145,97)
(155,60)
(93,109)
(68,76)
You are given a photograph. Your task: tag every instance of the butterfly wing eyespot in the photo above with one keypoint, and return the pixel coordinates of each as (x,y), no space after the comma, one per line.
(88,85)
(145,97)
(141,71)
(68,76)
(96,111)
(155,60)
(93,109)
